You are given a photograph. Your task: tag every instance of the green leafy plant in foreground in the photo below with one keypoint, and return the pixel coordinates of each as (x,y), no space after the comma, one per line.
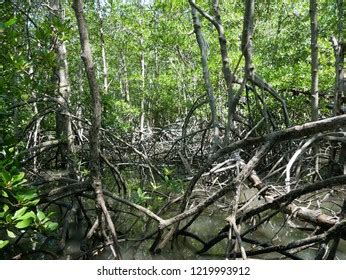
(18,204)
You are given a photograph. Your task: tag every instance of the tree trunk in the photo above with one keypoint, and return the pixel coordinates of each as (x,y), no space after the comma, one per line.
(103,51)
(342,80)
(63,120)
(204,61)
(124,80)
(314,72)
(94,134)
(142,116)
(314,60)
(226,69)
(246,44)
(227,73)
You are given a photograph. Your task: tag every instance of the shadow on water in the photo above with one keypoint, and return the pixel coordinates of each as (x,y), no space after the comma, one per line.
(275,232)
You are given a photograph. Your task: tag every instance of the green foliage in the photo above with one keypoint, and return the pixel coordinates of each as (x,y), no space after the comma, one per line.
(135,191)
(148,194)
(160,34)
(10,22)
(172,184)
(175,185)
(27,59)
(282,51)
(141,196)
(119,114)
(3,243)
(18,203)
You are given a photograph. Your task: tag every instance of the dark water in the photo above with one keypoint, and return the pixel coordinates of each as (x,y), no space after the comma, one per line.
(207,227)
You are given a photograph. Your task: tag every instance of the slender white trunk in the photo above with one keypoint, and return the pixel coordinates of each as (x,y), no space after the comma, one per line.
(142,116)
(314,60)
(103,51)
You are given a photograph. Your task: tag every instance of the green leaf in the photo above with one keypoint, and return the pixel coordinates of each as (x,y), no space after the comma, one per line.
(26,195)
(139,192)
(19,212)
(11,234)
(18,178)
(40,215)
(154,186)
(50,214)
(3,243)
(34,202)
(27,215)
(51,226)
(5,208)
(25,97)
(24,223)
(5,176)
(8,218)
(4,194)
(10,22)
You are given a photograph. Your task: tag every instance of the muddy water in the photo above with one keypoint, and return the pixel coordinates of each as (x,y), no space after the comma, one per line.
(207,227)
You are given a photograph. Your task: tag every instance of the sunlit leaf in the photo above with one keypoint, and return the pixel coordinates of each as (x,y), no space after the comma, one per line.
(34,202)
(19,212)
(4,194)
(5,207)
(24,223)
(3,243)
(10,22)
(11,234)
(40,215)
(17,178)
(27,215)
